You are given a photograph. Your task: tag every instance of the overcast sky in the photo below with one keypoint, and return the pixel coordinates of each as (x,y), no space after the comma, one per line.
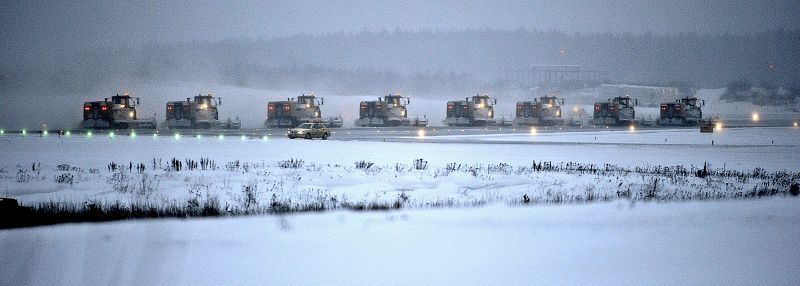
(39,41)
(30,24)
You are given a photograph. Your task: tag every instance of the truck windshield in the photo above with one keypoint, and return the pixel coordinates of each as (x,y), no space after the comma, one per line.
(203,100)
(121,100)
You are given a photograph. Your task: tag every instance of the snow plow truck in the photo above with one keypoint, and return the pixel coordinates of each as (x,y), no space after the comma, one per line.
(291,112)
(391,111)
(684,112)
(474,111)
(545,110)
(200,112)
(615,111)
(117,113)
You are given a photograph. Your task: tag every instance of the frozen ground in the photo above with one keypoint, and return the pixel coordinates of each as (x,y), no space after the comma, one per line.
(687,137)
(458,169)
(719,243)
(618,240)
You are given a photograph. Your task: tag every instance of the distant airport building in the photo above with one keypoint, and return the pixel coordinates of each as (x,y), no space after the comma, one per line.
(544,75)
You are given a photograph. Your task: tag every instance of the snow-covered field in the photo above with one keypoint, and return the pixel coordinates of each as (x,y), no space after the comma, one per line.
(719,243)
(487,236)
(464,170)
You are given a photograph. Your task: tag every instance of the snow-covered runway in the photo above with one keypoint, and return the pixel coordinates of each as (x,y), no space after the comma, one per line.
(737,148)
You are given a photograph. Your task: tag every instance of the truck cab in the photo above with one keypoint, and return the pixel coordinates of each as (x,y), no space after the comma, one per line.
(684,111)
(289,113)
(476,111)
(616,111)
(205,110)
(119,112)
(550,109)
(389,111)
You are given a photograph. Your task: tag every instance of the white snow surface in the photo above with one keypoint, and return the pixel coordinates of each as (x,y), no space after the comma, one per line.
(737,148)
(329,169)
(742,242)
(615,243)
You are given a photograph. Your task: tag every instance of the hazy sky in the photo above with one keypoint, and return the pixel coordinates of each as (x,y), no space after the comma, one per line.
(30,24)
(37,37)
